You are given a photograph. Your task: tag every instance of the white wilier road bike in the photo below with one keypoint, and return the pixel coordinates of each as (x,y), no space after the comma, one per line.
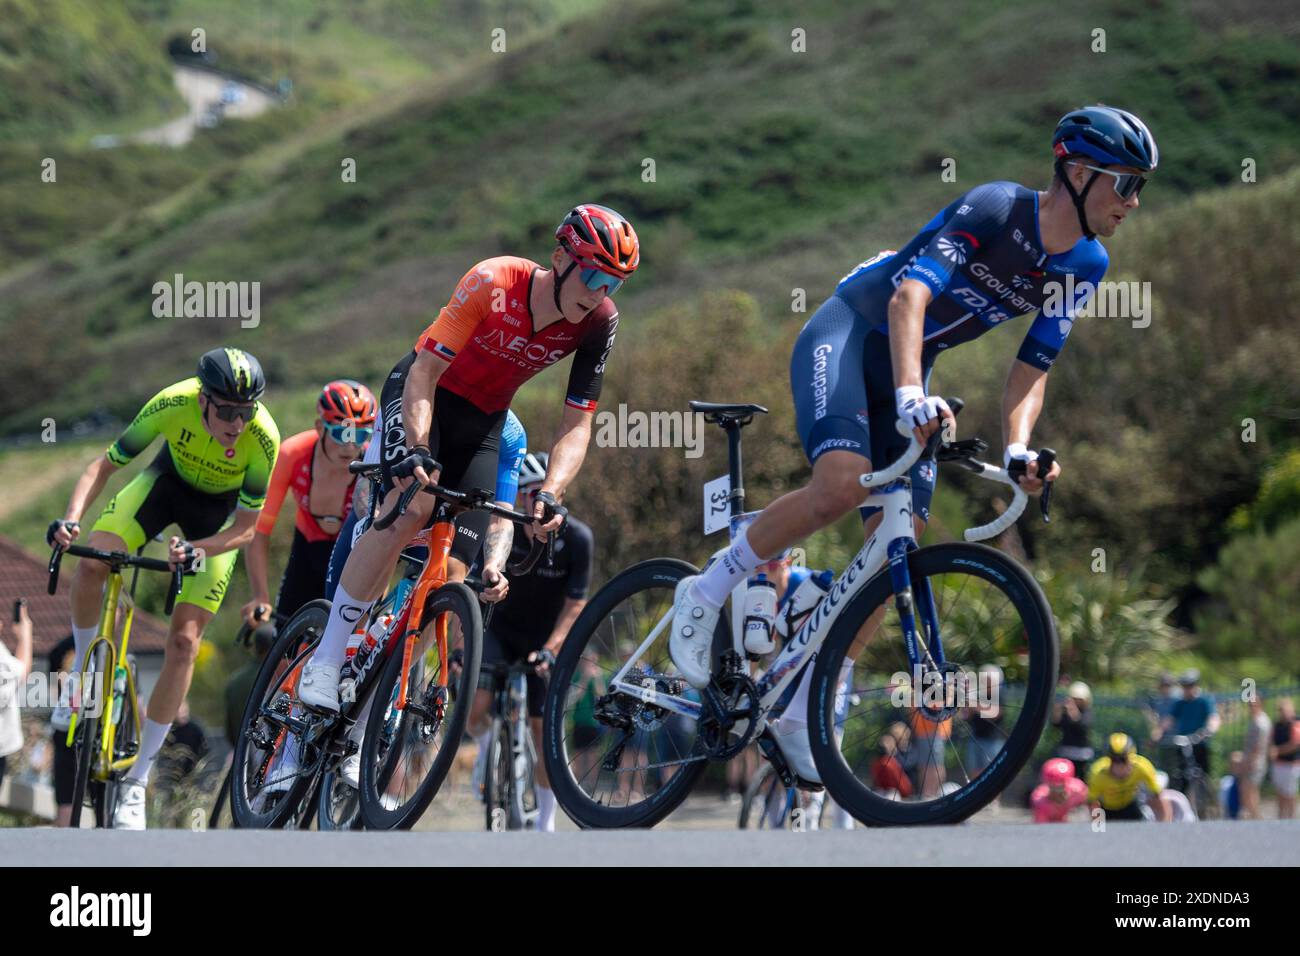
(954,633)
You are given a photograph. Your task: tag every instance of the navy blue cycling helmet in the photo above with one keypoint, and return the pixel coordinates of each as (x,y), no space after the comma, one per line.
(1110,136)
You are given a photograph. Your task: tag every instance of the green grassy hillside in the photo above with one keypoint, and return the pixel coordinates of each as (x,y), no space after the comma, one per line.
(63,62)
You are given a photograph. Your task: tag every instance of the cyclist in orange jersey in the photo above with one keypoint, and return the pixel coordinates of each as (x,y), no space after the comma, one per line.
(445,401)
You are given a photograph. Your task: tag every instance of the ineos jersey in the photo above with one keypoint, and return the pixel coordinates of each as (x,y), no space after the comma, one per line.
(983,261)
(487,332)
(533,604)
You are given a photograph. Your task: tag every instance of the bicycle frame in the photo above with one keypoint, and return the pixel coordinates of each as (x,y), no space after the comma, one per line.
(433,576)
(114,661)
(890,543)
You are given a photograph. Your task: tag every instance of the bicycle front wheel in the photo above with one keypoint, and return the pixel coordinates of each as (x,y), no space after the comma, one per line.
(275,768)
(87,737)
(412,736)
(896,745)
(613,760)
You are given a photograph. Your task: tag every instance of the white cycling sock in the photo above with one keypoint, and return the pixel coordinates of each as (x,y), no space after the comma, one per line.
(81,637)
(545,809)
(344,615)
(152,737)
(721,577)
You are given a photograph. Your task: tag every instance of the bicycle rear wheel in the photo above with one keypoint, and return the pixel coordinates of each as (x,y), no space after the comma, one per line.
(999,661)
(409,745)
(642,761)
(274,770)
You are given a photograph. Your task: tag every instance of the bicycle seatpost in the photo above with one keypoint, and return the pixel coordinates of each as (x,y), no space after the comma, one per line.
(735,466)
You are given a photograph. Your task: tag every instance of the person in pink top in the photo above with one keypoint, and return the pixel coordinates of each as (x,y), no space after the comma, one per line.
(1059,793)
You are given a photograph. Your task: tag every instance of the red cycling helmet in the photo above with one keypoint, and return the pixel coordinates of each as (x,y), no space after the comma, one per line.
(345,402)
(597,237)
(1057,772)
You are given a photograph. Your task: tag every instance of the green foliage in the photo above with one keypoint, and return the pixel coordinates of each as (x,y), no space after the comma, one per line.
(1112,628)
(1253,589)
(1278,499)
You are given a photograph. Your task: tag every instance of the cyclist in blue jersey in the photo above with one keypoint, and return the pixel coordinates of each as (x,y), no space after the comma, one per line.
(863,360)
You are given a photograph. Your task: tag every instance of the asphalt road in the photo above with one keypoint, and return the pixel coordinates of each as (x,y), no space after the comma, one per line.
(1262,843)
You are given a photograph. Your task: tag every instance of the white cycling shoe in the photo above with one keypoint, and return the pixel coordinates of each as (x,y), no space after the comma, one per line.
(691,642)
(129,812)
(350,771)
(318,687)
(792,739)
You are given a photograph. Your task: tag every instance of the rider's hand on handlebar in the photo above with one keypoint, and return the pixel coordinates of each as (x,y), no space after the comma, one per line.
(543,660)
(548,514)
(1031,482)
(62,532)
(924,414)
(181,554)
(496,585)
(418,464)
(255,612)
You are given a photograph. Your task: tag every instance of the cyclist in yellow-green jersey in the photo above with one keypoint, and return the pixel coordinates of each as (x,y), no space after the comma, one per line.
(210,478)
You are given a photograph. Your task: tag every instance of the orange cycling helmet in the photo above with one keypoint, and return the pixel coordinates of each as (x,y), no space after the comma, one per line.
(597,237)
(345,402)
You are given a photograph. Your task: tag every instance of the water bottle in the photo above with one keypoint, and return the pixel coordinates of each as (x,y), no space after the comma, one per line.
(119,693)
(366,644)
(760,615)
(801,603)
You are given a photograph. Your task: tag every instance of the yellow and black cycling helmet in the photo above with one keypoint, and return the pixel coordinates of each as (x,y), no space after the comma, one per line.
(1120,747)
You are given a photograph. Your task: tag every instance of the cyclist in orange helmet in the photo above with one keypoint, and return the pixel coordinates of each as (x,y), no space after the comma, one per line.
(313,465)
(445,402)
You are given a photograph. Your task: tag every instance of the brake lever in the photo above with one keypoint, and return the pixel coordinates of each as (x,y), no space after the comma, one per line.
(1046,458)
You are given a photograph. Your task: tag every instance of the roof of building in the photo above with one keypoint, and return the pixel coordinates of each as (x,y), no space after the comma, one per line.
(24,575)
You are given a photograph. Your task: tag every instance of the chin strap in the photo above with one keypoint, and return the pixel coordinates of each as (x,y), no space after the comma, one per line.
(555,289)
(1078,198)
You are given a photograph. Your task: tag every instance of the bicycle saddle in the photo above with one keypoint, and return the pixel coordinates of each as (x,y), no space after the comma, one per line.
(721,413)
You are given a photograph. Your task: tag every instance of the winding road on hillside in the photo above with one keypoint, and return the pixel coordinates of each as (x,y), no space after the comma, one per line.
(210,97)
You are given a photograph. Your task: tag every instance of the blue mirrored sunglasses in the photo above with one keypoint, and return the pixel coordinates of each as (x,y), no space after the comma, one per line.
(349,434)
(595,280)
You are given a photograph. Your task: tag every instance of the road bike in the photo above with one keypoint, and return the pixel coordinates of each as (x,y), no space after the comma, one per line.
(931,618)
(409,693)
(509,789)
(105,726)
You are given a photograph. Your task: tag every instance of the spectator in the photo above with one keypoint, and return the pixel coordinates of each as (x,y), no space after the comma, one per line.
(1073,717)
(1231,804)
(1193,716)
(14,668)
(887,774)
(1059,792)
(1159,702)
(1285,754)
(65,758)
(1254,758)
(986,734)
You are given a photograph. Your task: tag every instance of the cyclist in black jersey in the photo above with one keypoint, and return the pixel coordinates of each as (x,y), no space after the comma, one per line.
(530,624)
